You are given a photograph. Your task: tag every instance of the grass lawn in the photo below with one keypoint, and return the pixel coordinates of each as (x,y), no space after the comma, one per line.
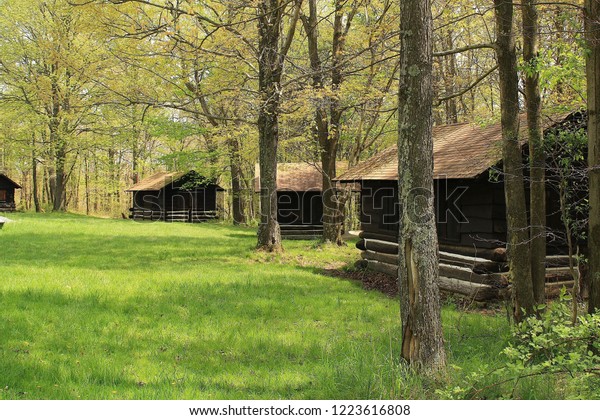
(112,309)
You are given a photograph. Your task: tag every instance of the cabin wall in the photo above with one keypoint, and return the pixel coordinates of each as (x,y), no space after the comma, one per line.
(471,212)
(295,208)
(199,199)
(7,196)
(175,204)
(468,212)
(379,212)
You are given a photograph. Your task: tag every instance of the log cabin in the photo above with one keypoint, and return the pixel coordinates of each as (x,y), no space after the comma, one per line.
(299,198)
(468,197)
(175,197)
(7,193)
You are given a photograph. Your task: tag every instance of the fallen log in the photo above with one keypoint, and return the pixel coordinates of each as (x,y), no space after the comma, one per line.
(378,236)
(496,255)
(558,261)
(383,247)
(378,256)
(476,291)
(553,289)
(380,267)
(466,274)
(477,264)
(361,264)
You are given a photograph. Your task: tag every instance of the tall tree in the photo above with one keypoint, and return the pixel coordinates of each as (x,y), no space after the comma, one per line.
(537,158)
(418,273)
(328,114)
(592,30)
(519,255)
(272,53)
(51,60)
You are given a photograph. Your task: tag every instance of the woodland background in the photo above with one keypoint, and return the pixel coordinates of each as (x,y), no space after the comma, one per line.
(95,95)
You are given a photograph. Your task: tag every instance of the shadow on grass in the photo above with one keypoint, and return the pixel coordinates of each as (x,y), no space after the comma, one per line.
(100,252)
(218,341)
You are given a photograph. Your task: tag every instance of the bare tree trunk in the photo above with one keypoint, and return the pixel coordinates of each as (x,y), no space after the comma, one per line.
(422,339)
(449,77)
(327,134)
(592,27)
(60,177)
(58,183)
(519,254)
(537,157)
(237,177)
(270,70)
(34,180)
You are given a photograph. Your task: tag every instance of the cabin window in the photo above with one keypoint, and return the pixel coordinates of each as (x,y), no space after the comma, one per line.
(3,195)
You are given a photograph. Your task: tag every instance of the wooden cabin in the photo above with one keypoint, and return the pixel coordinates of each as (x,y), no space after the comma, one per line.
(468,188)
(7,193)
(469,202)
(175,197)
(299,198)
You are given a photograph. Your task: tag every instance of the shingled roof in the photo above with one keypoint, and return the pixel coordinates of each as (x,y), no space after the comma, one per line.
(459,151)
(156,182)
(298,176)
(10,181)
(160,180)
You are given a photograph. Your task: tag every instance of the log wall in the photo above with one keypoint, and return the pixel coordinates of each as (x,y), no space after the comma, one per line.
(477,278)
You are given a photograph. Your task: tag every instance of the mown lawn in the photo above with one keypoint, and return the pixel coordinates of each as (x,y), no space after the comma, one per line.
(112,309)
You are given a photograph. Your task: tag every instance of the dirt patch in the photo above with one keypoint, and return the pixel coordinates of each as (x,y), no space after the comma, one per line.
(370,280)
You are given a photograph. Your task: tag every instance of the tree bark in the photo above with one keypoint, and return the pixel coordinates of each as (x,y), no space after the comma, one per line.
(422,339)
(34,180)
(592,29)
(537,157)
(270,70)
(327,133)
(519,255)
(237,177)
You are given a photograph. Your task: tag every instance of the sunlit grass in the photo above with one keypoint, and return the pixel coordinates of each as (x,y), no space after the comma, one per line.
(101,309)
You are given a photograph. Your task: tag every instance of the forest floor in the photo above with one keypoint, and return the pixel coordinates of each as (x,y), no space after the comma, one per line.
(96,308)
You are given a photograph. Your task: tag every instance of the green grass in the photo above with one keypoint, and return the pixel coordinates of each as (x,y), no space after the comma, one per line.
(111,309)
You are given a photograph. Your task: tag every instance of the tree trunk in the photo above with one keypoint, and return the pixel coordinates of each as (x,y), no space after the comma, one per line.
(60,176)
(592,27)
(327,133)
(519,255)
(34,180)
(537,157)
(237,199)
(422,339)
(449,77)
(270,67)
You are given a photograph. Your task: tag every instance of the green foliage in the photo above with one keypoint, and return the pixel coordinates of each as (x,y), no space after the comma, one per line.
(566,151)
(160,126)
(552,345)
(547,357)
